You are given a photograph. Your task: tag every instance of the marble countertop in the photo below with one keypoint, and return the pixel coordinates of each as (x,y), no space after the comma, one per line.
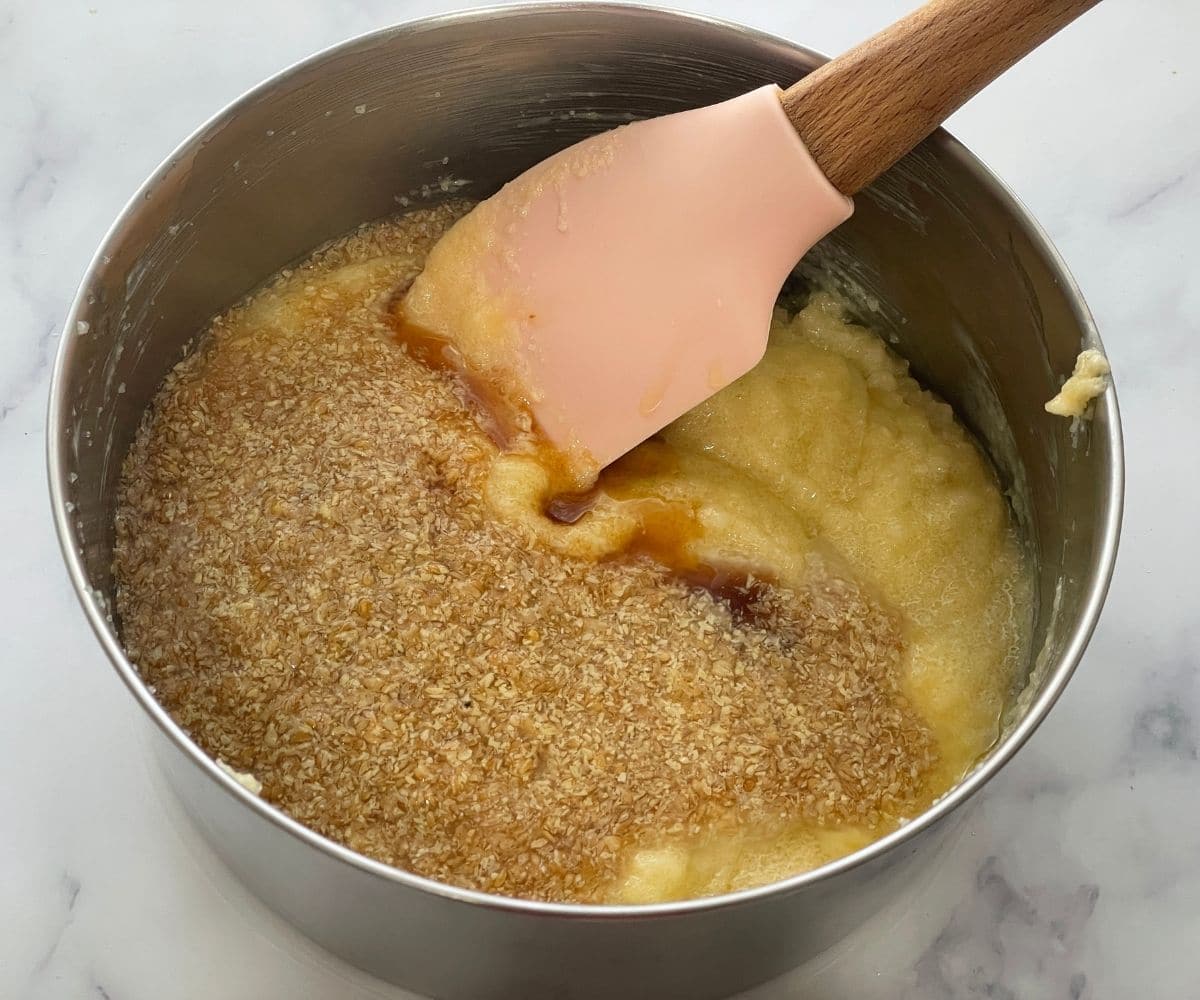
(1078,874)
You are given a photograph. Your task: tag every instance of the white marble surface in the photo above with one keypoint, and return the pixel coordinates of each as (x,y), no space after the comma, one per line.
(1078,876)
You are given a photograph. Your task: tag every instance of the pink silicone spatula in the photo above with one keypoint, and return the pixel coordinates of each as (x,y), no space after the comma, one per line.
(624,280)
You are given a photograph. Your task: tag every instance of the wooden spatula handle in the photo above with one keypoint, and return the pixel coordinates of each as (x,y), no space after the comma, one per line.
(864,110)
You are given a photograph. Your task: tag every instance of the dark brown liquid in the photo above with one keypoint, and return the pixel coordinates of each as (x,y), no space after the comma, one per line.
(667,527)
(747,595)
(567,508)
(496,416)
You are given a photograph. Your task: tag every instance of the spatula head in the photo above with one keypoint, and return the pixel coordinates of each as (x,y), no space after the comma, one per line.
(626,279)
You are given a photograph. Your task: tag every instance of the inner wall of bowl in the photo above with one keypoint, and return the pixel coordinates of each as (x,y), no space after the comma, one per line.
(933,257)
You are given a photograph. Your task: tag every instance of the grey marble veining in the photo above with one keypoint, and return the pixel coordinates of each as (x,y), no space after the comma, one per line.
(1077,872)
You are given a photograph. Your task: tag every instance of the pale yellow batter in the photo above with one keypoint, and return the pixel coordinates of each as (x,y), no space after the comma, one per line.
(1087,381)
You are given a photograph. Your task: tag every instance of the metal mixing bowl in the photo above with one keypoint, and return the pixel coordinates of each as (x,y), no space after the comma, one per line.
(939,256)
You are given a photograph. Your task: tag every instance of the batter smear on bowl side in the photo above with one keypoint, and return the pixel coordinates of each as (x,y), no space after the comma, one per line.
(760,641)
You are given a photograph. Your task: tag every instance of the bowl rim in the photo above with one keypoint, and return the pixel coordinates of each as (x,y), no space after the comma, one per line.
(1099,577)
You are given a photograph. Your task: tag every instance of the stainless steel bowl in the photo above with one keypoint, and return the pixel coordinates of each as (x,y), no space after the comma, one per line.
(939,253)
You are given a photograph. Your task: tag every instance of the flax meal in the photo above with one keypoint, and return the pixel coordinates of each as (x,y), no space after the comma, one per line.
(315,589)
